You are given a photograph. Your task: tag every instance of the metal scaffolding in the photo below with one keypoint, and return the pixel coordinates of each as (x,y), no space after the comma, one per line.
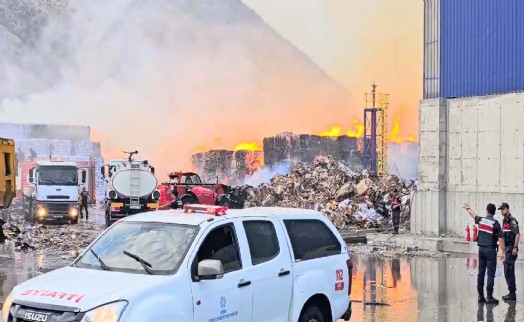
(374,154)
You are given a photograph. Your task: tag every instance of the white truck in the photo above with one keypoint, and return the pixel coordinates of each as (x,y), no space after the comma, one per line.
(242,265)
(131,188)
(53,192)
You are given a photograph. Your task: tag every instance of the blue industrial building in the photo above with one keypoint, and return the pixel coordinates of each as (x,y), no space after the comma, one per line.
(473,47)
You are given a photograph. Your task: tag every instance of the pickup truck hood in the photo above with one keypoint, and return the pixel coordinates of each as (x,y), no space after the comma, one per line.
(81,288)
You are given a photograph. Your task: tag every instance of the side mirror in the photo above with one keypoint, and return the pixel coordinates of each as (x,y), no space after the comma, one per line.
(153,170)
(210,269)
(84,176)
(31,175)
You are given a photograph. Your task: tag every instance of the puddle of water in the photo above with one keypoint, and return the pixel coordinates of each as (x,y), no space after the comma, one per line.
(406,289)
(424,289)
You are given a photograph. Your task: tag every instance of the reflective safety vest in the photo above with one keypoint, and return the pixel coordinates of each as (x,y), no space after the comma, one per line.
(489,231)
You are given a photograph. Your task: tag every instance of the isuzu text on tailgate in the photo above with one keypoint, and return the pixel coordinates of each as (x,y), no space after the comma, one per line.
(203,263)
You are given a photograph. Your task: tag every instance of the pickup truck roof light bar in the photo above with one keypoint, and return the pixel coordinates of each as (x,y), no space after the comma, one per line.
(216,210)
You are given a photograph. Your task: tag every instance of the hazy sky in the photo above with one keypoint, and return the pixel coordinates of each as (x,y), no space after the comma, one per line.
(358,42)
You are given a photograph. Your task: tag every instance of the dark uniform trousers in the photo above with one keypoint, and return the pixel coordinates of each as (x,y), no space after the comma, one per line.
(489,232)
(511,229)
(396,219)
(509,269)
(487,260)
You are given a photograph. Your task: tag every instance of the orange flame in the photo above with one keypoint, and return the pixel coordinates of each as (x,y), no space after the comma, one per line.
(254,161)
(333,132)
(356,131)
(394,133)
(252,146)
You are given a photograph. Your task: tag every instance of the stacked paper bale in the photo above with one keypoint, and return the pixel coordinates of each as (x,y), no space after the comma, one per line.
(12,131)
(60,148)
(41,147)
(213,164)
(101,183)
(51,131)
(350,153)
(305,147)
(244,164)
(280,147)
(82,147)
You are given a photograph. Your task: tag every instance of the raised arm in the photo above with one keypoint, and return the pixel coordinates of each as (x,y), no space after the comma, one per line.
(470,211)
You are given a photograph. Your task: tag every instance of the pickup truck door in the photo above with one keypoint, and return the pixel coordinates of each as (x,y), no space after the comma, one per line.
(270,269)
(229,298)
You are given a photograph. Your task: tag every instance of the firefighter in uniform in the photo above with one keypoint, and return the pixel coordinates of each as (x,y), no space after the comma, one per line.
(510,228)
(489,232)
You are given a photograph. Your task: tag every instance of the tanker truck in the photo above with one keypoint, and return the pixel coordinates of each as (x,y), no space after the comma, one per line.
(131,188)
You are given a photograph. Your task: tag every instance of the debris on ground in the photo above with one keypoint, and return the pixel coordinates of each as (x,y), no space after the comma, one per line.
(395,252)
(351,200)
(69,239)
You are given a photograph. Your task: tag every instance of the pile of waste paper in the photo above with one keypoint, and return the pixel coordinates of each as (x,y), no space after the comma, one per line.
(348,198)
(49,238)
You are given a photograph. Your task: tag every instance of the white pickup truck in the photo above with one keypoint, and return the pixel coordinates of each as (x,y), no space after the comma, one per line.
(202,264)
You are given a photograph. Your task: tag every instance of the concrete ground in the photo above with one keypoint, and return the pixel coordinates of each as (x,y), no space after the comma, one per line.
(401,289)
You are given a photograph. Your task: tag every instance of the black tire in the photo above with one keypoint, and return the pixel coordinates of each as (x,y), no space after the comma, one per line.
(189,200)
(224,203)
(311,314)
(74,221)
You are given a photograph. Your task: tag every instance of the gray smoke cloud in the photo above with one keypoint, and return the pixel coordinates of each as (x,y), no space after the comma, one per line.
(160,76)
(403,160)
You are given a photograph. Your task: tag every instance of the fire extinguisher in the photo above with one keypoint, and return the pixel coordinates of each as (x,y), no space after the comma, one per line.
(468,237)
(475,233)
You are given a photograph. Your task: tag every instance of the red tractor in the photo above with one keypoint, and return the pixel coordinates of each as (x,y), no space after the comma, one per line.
(187,188)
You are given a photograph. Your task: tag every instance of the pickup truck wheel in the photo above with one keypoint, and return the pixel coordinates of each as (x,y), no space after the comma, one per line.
(311,314)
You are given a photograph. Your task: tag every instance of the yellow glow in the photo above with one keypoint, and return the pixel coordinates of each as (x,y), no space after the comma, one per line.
(41,212)
(105,314)
(7,305)
(253,146)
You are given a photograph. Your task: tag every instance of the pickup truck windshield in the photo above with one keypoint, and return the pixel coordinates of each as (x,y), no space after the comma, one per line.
(57,176)
(161,246)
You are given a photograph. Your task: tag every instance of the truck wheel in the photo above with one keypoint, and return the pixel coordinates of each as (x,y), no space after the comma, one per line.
(224,203)
(311,314)
(189,200)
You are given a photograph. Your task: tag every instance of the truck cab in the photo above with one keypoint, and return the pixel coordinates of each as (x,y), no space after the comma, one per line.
(52,194)
(203,263)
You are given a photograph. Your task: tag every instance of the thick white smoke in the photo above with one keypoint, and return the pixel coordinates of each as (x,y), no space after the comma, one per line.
(266,173)
(163,77)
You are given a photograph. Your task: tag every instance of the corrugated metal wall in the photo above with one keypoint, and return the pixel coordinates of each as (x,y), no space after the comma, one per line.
(431,48)
(480,47)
